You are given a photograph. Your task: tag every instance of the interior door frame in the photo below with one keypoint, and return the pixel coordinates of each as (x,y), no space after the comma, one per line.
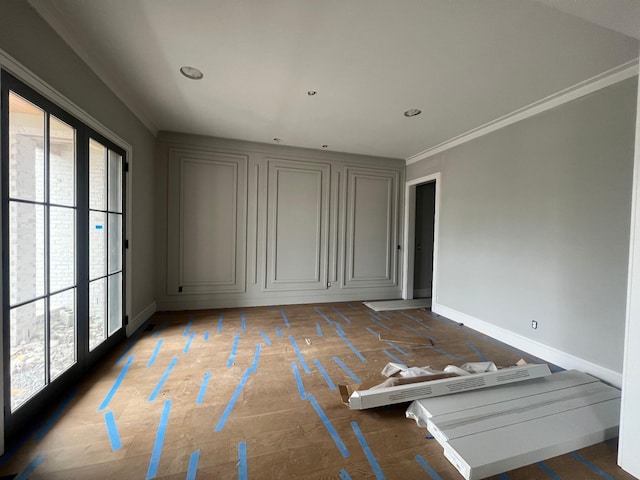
(409,234)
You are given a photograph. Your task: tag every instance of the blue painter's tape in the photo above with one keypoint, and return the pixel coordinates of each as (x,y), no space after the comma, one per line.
(152,472)
(373,332)
(234,398)
(344,475)
(392,356)
(593,467)
(350,345)
(116,384)
(279,332)
(163,379)
(477,352)
(99,227)
(418,332)
(266,339)
(233,350)
(319,329)
(346,369)
(188,344)
(327,423)
(112,430)
(417,320)
(379,323)
(155,353)
(503,476)
(244,322)
(428,468)
(296,374)
(256,357)
(26,473)
(206,336)
(286,320)
(367,452)
(242,461)
(193,465)
(450,355)
(329,321)
(341,315)
(545,468)
(220,323)
(160,328)
(56,415)
(299,354)
(351,306)
(187,328)
(398,349)
(324,373)
(203,387)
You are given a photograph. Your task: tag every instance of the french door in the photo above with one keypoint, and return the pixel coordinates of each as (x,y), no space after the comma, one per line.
(62,250)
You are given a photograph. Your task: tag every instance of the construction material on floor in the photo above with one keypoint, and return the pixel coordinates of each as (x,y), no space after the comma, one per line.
(359,398)
(398,337)
(385,305)
(491,431)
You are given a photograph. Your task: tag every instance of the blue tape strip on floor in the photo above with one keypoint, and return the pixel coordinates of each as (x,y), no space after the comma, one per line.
(477,352)
(594,468)
(193,465)
(234,347)
(187,328)
(418,332)
(346,369)
(116,384)
(234,398)
(340,313)
(327,423)
(319,329)
(163,379)
(324,373)
(398,349)
(203,387)
(286,320)
(243,319)
(351,306)
(417,320)
(188,344)
(299,354)
(130,345)
(450,355)
(279,332)
(157,446)
(393,357)
(56,415)
(428,468)
(350,345)
(367,452)
(206,335)
(545,468)
(266,339)
(256,356)
(155,353)
(242,461)
(329,321)
(504,476)
(112,431)
(160,328)
(220,323)
(374,333)
(26,473)
(379,323)
(296,374)
(344,475)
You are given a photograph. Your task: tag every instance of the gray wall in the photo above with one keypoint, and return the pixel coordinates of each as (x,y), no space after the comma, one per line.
(31,42)
(534,225)
(287,225)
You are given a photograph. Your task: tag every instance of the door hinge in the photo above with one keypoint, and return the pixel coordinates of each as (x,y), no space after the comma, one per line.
(126,244)
(126,319)
(126,167)
(179,289)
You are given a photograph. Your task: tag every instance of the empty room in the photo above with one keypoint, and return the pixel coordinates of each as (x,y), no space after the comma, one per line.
(320,239)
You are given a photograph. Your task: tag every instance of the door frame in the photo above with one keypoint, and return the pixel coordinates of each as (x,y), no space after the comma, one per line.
(409,234)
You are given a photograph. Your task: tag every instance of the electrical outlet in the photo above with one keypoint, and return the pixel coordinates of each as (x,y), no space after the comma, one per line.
(534,324)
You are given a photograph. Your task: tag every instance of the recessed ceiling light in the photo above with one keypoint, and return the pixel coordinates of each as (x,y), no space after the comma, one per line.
(412,112)
(191,72)
(277,140)
(311,93)
(325,146)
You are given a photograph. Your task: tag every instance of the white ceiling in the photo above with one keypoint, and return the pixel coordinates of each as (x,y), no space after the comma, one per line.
(463,63)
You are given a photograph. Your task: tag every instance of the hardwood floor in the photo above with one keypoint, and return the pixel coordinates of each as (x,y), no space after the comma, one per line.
(250,393)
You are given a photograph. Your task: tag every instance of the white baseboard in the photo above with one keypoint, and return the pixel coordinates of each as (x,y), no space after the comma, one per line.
(137,321)
(540,350)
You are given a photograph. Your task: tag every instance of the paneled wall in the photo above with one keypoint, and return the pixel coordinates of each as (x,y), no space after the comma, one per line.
(244,224)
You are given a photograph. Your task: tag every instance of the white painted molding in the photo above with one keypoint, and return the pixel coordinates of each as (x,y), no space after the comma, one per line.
(537,349)
(593,84)
(140,318)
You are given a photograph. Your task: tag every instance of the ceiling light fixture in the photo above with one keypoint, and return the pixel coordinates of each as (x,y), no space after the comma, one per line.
(311,93)
(325,146)
(277,140)
(412,112)
(191,72)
